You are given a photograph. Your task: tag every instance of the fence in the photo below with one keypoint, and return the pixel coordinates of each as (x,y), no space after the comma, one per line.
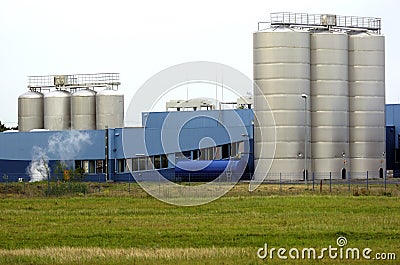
(328,182)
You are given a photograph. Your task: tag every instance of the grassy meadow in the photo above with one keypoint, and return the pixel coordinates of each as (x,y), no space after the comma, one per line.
(115,227)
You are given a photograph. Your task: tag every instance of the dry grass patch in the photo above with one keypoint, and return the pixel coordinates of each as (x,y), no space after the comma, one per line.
(73,254)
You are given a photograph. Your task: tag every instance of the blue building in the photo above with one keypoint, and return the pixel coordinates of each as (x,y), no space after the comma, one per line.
(178,145)
(198,144)
(393,138)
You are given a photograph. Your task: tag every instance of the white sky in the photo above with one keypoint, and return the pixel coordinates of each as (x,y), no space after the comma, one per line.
(141,38)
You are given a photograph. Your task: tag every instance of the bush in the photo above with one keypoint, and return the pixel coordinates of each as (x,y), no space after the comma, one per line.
(65,188)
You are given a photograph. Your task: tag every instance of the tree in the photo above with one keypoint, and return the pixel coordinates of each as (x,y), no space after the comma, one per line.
(63,173)
(4,128)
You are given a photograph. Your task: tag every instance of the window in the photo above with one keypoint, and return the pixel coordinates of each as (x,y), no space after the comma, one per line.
(164,161)
(225,153)
(157,162)
(218,153)
(128,164)
(210,153)
(179,156)
(203,154)
(142,163)
(92,166)
(196,154)
(135,164)
(187,154)
(150,163)
(240,148)
(78,164)
(100,166)
(234,149)
(85,166)
(121,165)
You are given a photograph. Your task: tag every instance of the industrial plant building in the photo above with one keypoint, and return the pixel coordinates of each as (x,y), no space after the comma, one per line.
(322,77)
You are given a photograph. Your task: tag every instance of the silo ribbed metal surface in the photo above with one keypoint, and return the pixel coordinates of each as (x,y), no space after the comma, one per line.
(367,103)
(282,74)
(83,110)
(30,111)
(57,110)
(109,109)
(329,101)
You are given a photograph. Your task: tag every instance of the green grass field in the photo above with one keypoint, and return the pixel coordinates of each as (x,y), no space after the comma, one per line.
(112,227)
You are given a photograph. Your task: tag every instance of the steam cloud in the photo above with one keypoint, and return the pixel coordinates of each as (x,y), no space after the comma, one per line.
(38,169)
(62,145)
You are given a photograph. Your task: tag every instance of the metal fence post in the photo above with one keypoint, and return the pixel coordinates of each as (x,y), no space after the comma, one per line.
(280,182)
(367,181)
(98,180)
(159,184)
(348,180)
(313,178)
(330,182)
(129,183)
(48,185)
(384,175)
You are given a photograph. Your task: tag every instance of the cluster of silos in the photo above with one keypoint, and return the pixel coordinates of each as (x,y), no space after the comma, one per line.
(282,75)
(342,73)
(60,110)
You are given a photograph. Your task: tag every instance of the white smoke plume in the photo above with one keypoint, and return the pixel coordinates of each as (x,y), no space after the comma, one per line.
(67,145)
(38,169)
(63,146)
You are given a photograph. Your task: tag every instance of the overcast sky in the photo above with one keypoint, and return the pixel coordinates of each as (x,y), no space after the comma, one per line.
(141,38)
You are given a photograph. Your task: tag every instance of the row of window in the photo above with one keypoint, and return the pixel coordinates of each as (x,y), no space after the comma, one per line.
(142,163)
(91,166)
(161,161)
(225,151)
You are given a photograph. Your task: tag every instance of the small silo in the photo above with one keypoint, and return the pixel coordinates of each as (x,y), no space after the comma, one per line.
(367,104)
(282,74)
(30,111)
(329,104)
(57,110)
(109,109)
(83,110)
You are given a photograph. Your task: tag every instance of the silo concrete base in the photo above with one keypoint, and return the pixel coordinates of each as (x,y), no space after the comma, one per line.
(360,167)
(276,172)
(324,168)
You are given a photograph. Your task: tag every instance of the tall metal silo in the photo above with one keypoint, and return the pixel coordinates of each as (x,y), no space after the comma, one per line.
(109,109)
(30,111)
(282,74)
(57,110)
(83,110)
(329,104)
(367,104)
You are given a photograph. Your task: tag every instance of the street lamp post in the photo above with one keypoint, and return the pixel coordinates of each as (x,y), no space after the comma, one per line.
(305,136)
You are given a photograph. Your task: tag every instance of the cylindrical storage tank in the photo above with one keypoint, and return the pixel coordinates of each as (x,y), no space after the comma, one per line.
(30,111)
(367,105)
(329,104)
(83,110)
(109,109)
(57,110)
(282,76)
